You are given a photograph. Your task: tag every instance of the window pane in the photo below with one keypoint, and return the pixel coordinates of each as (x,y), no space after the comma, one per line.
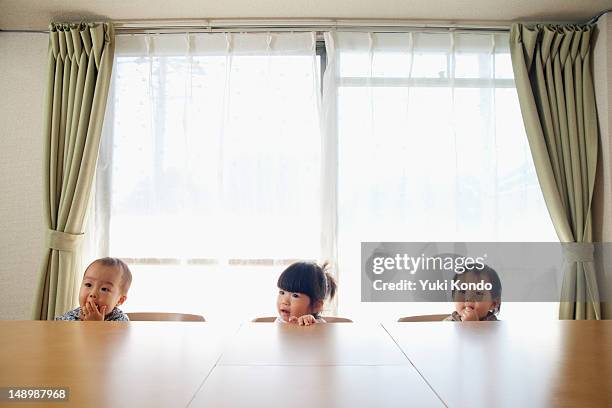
(215,157)
(431,160)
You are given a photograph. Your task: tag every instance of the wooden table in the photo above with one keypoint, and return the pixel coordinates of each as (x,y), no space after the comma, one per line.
(111,364)
(321,344)
(326,365)
(497,364)
(169,364)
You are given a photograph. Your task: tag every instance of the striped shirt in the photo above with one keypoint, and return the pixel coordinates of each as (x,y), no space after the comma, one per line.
(456,317)
(115,315)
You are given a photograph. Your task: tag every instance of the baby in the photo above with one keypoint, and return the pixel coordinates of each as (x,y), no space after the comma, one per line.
(302,290)
(476,305)
(105,286)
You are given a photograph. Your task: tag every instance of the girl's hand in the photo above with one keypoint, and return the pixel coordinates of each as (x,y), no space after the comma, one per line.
(305,320)
(468,314)
(90,312)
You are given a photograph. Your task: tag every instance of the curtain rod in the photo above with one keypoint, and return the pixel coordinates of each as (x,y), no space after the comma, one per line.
(288,25)
(225,25)
(598,16)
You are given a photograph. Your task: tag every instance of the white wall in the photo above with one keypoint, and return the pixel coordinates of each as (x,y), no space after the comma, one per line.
(23,69)
(602,204)
(602,61)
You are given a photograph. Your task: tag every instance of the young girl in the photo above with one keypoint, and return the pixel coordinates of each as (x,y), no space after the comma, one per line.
(303,288)
(476,305)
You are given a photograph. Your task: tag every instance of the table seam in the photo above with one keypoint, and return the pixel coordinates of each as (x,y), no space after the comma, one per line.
(211,370)
(415,367)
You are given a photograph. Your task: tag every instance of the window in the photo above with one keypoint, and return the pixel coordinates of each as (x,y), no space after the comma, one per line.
(431,147)
(222,162)
(212,168)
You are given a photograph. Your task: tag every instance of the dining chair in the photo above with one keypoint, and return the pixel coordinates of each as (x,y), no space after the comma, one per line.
(424,318)
(164,317)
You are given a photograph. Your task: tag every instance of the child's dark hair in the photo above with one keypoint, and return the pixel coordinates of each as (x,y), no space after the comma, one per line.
(309,278)
(126,274)
(482,270)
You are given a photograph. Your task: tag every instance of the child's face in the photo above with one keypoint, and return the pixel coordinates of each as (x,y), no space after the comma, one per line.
(469,302)
(102,285)
(294,304)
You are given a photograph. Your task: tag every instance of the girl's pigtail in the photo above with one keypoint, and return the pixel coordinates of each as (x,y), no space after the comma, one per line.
(331,285)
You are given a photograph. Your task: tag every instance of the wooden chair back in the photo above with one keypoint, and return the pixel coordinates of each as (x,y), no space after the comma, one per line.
(164,317)
(423,318)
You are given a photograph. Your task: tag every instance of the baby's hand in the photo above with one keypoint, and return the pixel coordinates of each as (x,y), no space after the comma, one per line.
(306,320)
(468,314)
(90,312)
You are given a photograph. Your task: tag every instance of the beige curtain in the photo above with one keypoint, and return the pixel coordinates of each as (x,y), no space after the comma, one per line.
(554,81)
(80,64)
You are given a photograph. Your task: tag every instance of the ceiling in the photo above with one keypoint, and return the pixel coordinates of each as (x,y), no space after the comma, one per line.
(36,14)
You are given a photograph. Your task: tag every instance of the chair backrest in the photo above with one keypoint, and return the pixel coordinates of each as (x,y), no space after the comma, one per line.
(328,319)
(331,319)
(264,319)
(164,317)
(424,318)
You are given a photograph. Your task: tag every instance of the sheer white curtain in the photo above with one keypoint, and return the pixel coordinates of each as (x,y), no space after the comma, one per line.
(430,147)
(220,163)
(209,178)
